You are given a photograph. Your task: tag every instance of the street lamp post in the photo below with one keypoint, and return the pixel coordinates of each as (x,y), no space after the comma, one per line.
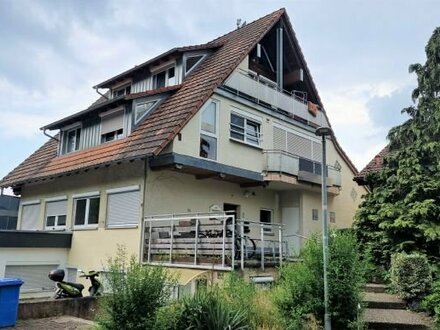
(324,132)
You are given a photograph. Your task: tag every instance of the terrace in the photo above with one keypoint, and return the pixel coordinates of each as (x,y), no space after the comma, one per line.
(212,241)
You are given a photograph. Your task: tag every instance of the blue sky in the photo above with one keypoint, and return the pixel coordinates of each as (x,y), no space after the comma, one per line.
(358,52)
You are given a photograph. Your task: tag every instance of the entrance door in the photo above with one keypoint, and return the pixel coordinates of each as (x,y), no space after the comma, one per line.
(290,218)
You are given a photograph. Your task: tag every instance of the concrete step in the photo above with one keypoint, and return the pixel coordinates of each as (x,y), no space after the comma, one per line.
(383,301)
(396,319)
(375,288)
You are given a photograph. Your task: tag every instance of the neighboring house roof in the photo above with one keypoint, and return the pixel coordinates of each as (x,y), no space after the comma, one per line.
(154,134)
(373,166)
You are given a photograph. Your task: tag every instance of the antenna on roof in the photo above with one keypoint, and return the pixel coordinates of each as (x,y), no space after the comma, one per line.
(239,24)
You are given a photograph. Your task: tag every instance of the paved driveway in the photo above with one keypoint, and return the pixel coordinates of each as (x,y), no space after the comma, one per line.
(54,323)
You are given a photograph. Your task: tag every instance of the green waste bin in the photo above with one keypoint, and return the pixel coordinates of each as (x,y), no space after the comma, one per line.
(9,292)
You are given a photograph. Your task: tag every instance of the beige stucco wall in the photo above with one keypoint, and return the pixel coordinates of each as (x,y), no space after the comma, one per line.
(91,247)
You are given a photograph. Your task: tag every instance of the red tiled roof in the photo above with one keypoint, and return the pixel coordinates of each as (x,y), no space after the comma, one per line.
(164,123)
(374,165)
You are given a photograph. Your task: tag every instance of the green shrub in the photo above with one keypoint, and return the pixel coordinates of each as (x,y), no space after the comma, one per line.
(432,302)
(410,275)
(207,310)
(137,292)
(300,293)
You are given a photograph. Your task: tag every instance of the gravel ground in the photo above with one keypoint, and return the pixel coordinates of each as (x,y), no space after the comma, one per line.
(54,323)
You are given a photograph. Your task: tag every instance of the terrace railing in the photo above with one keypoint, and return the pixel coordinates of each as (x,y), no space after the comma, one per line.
(266,92)
(211,241)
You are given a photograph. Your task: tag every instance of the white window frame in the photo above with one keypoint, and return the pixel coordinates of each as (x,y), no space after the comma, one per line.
(55,226)
(138,120)
(87,197)
(65,138)
(124,124)
(212,135)
(119,88)
(246,118)
(186,57)
(29,203)
(121,190)
(165,68)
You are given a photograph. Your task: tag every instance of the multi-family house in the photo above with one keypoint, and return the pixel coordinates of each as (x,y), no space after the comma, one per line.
(202,158)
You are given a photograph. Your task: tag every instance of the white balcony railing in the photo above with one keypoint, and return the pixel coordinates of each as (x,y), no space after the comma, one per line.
(265,91)
(211,241)
(284,162)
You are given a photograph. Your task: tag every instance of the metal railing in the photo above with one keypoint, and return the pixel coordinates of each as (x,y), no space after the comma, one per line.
(266,92)
(284,162)
(211,241)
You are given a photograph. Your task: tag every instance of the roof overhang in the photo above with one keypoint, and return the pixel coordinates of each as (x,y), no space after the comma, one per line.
(170,53)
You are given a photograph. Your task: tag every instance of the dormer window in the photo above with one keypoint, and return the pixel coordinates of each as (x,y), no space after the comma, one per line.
(192,61)
(124,90)
(142,109)
(112,125)
(165,78)
(71,139)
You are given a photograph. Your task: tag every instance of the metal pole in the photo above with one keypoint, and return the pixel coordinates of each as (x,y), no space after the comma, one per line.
(196,241)
(327,321)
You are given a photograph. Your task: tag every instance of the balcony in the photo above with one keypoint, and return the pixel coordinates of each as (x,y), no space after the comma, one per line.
(211,241)
(266,93)
(282,162)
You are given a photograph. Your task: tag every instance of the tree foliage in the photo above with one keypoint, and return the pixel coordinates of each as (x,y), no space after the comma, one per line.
(402,211)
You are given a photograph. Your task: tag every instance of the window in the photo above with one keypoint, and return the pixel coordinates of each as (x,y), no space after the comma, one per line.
(191,62)
(86,211)
(72,139)
(332,217)
(244,129)
(112,124)
(125,90)
(30,215)
(266,217)
(123,207)
(165,78)
(315,214)
(142,109)
(56,214)
(208,132)
(8,222)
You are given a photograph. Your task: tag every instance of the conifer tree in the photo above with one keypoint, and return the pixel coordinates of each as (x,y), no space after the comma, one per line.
(402,211)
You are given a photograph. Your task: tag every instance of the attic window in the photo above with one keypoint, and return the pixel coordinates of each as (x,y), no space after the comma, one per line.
(164,78)
(142,109)
(112,125)
(191,62)
(125,90)
(71,140)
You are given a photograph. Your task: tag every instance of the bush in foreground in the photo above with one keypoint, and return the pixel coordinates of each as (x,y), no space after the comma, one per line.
(137,292)
(410,275)
(432,302)
(300,293)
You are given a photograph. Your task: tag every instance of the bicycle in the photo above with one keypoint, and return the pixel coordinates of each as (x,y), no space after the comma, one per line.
(250,247)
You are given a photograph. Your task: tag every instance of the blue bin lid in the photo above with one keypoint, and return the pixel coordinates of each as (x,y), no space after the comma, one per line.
(9,281)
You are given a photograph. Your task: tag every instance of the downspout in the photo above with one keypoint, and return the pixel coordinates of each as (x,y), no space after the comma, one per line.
(103,95)
(144,194)
(50,136)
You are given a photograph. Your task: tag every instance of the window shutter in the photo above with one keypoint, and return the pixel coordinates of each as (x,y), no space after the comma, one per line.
(56,208)
(279,139)
(299,146)
(123,208)
(33,276)
(112,122)
(30,215)
(317,152)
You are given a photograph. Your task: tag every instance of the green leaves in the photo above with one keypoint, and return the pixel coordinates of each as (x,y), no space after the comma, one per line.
(402,212)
